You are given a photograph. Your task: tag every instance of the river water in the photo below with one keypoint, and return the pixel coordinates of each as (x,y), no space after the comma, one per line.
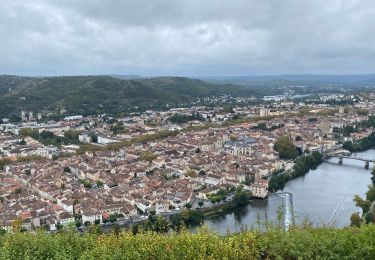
(324,196)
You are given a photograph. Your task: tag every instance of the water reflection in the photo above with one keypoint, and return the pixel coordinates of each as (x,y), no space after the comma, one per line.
(324,195)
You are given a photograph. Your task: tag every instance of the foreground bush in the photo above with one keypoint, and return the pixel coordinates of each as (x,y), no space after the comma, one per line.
(298,243)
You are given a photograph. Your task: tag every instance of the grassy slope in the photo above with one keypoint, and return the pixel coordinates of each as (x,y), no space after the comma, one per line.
(303,243)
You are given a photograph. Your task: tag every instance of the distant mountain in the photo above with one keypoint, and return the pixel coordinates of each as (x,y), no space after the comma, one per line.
(337,79)
(102,94)
(126,77)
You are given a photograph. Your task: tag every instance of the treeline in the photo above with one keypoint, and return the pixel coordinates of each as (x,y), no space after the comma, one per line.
(189,217)
(185,218)
(264,127)
(300,242)
(302,166)
(367,205)
(181,119)
(30,158)
(143,139)
(48,138)
(362,145)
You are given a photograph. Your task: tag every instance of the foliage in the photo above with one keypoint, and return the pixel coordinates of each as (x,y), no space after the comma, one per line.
(241,197)
(118,128)
(355,220)
(6,161)
(99,184)
(148,156)
(181,119)
(264,127)
(302,166)
(275,243)
(89,95)
(219,196)
(48,138)
(362,145)
(287,150)
(87,184)
(186,218)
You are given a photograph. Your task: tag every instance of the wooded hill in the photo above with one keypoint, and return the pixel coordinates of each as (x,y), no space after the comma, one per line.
(88,95)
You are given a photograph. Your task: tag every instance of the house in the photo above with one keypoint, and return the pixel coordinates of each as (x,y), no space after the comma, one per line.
(91,215)
(85,137)
(259,188)
(162,206)
(129,211)
(143,205)
(66,218)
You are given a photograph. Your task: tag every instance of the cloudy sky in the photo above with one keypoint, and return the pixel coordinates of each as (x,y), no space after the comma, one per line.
(187,37)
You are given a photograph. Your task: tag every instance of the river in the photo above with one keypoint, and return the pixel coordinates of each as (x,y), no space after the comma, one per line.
(324,196)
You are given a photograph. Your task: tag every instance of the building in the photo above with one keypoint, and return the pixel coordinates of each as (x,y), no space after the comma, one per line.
(241,146)
(23,116)
(264,112)
(259,188)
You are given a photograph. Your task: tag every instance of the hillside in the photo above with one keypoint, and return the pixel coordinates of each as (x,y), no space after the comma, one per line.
(298,243)
(102,94)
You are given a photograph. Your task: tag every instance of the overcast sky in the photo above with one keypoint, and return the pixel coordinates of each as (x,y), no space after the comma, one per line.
(187,37)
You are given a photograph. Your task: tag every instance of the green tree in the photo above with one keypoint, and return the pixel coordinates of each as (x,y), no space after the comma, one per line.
(286,149)
(355,220)
(241,197)
(373,176)
(113,218)
(99,184)
(148,156)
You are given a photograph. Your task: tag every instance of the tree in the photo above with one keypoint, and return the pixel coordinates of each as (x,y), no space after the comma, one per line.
(99,184)
(233,138)
(188,206)
(17,224)
(363,204)
(355,220)
(200,203)
(161,225)
(78,224)
(373,176)
(26,132)
(287,150)
(59,226)
(113,218)
(2,232)
(67,169)
(148,156)
(369,217)
(241,197)
(370,194)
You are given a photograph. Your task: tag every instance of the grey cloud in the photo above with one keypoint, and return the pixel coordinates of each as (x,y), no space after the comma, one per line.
(186,37)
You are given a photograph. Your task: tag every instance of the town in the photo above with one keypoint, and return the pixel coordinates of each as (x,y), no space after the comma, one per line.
(84,170)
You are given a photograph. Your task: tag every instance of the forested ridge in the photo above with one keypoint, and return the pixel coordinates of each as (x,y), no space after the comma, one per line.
(88,95)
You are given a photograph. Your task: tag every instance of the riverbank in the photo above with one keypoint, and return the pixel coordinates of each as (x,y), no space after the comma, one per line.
(324,197)
(302,165)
